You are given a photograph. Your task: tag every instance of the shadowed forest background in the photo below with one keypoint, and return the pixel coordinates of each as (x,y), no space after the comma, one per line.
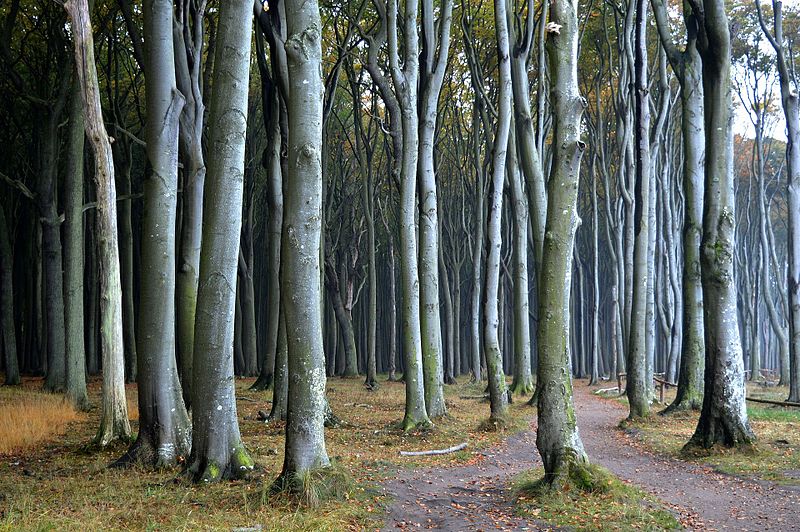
(285,239)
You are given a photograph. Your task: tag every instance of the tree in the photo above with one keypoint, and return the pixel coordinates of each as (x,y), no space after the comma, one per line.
(164,427)
(557,436)
(300,250)
(791,111)
(723,418)
(638,377)
(114,419)
(217,448)
(688,68)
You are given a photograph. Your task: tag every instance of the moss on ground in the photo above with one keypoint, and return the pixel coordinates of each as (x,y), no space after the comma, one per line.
(590,499)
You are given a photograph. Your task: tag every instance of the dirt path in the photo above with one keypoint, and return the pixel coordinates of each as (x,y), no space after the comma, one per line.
(471,497)
(476,497)
(720,501)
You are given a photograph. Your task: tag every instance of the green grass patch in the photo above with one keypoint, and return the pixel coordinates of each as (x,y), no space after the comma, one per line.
(591,499)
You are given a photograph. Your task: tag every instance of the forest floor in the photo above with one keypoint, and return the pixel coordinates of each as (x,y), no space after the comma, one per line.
(51,479)
(480,496)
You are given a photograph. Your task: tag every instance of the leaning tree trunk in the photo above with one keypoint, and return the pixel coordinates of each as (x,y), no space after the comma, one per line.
(723,418)
(114,419)
(637,388)
(73,257)
(8,332)
(557,438)
(300,252)
(791,112)
(188,38)
(164,427)
(494,358)
(217,448)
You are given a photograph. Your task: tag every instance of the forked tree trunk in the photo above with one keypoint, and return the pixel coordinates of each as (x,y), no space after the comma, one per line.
(114,418)
(557,438)
(217,448)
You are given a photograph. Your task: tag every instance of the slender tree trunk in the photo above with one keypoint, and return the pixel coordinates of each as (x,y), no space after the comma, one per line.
(637,375)
(491,319)
(523,380)
(73,256)
(392,313)
(280,390)
(557,438)
(217,448)
(114,418)
(8,332)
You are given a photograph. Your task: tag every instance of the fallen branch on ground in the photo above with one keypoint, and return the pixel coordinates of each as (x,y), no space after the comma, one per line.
(436,451)
(769,402)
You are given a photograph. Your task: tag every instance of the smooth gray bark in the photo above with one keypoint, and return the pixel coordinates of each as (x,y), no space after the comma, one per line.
(164,427)
(300,253)
(217,448)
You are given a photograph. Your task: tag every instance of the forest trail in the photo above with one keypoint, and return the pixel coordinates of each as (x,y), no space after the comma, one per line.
(477,496)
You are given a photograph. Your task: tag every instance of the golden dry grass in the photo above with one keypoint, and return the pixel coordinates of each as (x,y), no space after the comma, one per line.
(63,485)
(30,417)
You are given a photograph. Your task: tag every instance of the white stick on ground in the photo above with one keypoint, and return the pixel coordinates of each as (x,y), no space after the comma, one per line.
(435,451)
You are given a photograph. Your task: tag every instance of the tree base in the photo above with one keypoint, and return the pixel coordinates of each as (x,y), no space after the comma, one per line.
(572,471)
(238,465)
(144,452)
(411,424)
(312,487)
(685,404)
(523,387)
(263,383)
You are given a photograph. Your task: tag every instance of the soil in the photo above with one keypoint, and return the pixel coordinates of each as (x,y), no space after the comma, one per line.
(477,496)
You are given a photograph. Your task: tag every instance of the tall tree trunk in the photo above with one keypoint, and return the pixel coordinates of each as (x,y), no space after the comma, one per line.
(280,390)
(73,256)
(491,320)
(164,427)
(300,253)
(557,437)
(688,66)
(637,387)
(723,418)
(523,380)
(122,159)
(392,313)
(217,448)
(114,418)
(52,265)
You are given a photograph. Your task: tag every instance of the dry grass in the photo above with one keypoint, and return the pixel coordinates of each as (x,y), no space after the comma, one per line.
(29,417)
(60,485)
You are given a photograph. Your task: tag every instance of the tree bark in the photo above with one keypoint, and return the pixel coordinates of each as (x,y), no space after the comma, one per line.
(300,253)
(8,331)
(114,418)
(164,428)
(557,437)
(217,448)
(723,418)
(491,320)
